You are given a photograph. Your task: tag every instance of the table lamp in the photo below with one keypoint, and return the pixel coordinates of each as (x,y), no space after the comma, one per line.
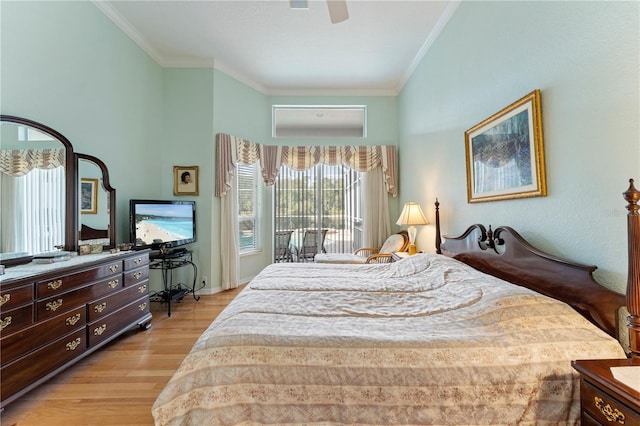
(410,216)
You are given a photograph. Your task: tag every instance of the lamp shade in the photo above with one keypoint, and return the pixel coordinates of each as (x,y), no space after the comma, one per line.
(412,215)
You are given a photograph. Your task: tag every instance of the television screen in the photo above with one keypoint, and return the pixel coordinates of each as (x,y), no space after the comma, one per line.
(157,223)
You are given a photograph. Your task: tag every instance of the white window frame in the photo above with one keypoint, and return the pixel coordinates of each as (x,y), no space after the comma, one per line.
(325,121)
(257,207)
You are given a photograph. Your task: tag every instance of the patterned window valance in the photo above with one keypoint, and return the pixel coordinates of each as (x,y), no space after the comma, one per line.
(19,162)
(232,150)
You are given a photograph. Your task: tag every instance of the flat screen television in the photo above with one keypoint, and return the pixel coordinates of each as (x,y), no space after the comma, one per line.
(161,223)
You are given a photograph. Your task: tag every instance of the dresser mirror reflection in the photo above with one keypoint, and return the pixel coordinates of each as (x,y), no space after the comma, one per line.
(41,205)
(96,202)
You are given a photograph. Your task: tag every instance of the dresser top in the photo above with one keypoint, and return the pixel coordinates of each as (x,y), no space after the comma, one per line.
(33,269)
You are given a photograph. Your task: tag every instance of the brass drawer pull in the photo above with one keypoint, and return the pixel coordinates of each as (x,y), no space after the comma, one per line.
(113,283)
(142,288)
(5,298)
(137,275)
(98,331)
(142,306)
(54,305)
(54,285)
(137,261)
(73,320)
(5,323)
(101,307)
(73,345)
(612,414)
(113,268)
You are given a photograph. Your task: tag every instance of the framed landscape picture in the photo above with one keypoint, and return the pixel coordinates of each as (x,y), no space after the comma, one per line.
(505,153)
(88,196)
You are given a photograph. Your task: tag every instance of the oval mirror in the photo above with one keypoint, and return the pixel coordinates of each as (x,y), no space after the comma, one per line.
(96,203)
(37,190)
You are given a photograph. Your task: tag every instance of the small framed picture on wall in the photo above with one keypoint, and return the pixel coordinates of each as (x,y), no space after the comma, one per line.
(88,196)
(185,180)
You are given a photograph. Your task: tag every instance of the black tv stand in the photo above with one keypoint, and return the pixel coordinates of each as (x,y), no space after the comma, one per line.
(167,262)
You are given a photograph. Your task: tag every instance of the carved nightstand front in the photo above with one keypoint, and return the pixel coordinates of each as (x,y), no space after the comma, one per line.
(603,399)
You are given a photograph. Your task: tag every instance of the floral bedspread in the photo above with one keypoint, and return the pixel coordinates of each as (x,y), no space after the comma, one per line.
(426,340)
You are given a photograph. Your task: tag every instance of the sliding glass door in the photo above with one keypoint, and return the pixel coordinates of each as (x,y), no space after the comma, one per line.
(316,211)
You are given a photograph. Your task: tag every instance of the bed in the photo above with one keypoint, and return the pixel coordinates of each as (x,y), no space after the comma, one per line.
(426,340)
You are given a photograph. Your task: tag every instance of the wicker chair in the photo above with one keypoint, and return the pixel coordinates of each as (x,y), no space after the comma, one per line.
(396,242)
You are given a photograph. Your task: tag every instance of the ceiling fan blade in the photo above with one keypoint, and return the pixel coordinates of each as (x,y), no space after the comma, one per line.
(338,10)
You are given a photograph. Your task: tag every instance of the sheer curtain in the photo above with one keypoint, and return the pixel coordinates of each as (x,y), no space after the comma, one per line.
(33,213)
(375,206)
(32,182)
(229,237)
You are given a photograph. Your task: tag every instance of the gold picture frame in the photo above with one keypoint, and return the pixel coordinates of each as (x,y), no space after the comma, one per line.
(185,180)
(505,153)
(88,196)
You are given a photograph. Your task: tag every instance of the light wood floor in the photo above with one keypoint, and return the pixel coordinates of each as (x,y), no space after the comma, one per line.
(118,384)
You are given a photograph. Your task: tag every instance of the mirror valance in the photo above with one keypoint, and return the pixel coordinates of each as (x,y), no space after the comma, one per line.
(19,162)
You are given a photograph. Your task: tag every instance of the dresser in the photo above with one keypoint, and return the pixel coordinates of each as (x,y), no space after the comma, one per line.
(603,399)
(52,315)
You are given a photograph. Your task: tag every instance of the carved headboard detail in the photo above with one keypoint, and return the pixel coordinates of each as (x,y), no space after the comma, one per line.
(505,254)
(632,195)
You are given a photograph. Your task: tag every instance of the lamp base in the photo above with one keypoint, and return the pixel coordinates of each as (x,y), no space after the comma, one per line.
(412,249)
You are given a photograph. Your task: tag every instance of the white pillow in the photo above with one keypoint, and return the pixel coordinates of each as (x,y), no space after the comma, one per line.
(393,243)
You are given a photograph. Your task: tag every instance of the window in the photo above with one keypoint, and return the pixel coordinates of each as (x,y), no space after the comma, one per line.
(248,208)
(36,221)
(312,121)
(326,198)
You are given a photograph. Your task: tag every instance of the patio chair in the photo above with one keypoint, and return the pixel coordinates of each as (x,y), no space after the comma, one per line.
(282,251)
(395,243)
(309,248)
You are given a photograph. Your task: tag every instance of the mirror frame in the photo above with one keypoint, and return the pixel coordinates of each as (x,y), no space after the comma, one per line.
(71,184)
(107,186)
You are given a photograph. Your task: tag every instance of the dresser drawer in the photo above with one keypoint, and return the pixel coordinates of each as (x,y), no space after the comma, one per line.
(136,261)
(36,365)
(136,275)
(31,338)
(62,284)
(15,297)
(587,420)
(57,304)
(604,408)
(113,302)
(104,328)
(14,320)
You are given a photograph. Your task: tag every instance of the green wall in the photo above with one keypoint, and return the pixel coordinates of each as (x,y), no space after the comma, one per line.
(583,56)
(243,112)
(68,66)
(188,140)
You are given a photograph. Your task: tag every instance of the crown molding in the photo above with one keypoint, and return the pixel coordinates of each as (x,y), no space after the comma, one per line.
(128,29)
(437,29)
(131,31)
(242,78)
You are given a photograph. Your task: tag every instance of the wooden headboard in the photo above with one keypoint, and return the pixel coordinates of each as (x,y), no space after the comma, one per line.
(89,233)
(505,254)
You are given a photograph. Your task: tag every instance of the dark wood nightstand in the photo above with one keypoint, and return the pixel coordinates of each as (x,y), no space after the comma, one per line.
(603,399)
